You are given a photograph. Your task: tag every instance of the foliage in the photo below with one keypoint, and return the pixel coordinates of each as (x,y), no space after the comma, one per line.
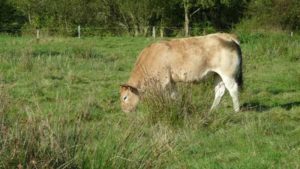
(135,17)
(11,20)
(280,14)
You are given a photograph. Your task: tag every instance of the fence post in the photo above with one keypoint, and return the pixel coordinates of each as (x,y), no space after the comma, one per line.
(78,31)
(153,32)
(292,34)
(37,34)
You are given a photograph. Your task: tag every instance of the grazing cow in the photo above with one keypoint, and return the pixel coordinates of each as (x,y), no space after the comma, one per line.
(187,60)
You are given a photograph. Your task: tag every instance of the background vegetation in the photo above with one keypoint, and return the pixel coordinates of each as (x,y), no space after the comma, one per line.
(135,17)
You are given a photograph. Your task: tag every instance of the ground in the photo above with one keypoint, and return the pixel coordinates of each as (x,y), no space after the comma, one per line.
(60,108)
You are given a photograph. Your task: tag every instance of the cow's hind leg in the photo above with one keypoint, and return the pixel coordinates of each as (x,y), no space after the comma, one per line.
(219,92)
(232,87)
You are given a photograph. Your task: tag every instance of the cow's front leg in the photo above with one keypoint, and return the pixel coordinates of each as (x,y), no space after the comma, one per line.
(170,87)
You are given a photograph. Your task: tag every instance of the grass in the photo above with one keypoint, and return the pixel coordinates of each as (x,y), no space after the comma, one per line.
(59,108)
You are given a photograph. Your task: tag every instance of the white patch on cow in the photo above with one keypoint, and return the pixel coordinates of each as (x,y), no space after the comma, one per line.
(232,88)
(219,92)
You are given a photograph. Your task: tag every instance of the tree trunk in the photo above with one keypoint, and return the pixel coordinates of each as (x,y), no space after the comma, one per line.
(145,30)
(186,17)
(161,32)
(29,19)
(126,23)
(136,30)
(66,24)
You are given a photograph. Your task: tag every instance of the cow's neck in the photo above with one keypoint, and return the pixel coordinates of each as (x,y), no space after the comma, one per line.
(137,78)
(134,82)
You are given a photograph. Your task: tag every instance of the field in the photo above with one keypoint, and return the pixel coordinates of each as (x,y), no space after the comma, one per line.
(59,108)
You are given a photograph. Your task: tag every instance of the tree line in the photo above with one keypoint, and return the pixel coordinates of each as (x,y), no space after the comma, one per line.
(137,16)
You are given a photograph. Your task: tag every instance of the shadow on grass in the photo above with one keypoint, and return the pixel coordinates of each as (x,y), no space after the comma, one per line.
(259,107)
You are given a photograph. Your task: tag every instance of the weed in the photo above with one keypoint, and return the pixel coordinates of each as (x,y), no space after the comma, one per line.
(171,105)
(85,51)
(26,60)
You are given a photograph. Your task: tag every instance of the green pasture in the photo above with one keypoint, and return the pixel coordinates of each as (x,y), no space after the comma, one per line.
(59,108)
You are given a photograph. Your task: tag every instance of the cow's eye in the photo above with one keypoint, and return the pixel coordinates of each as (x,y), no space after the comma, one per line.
(125,98)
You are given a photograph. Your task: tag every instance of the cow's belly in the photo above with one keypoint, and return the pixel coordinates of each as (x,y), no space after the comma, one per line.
(188,75)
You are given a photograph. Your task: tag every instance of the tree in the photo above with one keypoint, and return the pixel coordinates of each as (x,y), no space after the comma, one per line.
(278,14)
(11,20)
(186,6)
(196,5)
(137,14)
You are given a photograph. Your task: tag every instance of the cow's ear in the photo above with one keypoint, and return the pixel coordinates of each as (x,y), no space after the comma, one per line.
(134,90)
(124,86)
(131,88)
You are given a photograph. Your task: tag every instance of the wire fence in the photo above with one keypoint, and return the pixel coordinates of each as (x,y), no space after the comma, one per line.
(79,31)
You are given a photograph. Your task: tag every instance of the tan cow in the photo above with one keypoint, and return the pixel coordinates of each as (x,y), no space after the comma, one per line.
(187,60)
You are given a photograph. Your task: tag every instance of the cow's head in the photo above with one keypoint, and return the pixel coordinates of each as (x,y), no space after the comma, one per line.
(129,98)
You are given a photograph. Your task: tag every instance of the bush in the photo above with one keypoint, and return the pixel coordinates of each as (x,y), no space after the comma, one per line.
(272,15)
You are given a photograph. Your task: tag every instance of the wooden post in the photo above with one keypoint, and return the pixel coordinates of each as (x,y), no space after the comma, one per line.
(153,32)
(37,34)
(78,30)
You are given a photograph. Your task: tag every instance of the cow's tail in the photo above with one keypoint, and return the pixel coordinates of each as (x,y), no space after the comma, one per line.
(239,71)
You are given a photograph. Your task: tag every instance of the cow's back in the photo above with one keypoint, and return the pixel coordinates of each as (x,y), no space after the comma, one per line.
(186,59)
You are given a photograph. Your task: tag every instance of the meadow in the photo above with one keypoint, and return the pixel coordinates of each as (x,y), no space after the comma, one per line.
(59,108)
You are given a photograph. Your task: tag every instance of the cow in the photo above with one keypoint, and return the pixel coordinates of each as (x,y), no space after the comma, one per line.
(187,60)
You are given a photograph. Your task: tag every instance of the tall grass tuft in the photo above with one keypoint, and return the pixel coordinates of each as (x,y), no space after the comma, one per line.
(132,148)
(190,101)
(85,51)
(39,142)
(5,104)
(170,105)
(4,100)
(26,60)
